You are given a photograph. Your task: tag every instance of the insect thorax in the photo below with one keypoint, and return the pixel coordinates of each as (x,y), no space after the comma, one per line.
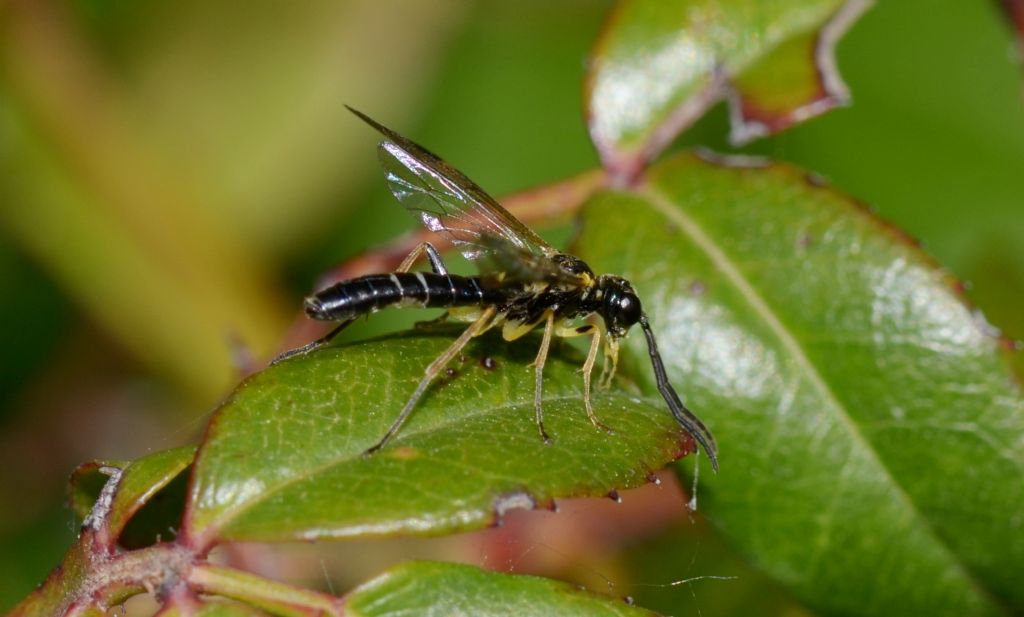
(573,265)
(568,298)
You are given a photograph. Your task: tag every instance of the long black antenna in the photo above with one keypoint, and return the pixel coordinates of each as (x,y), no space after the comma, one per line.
(683,416)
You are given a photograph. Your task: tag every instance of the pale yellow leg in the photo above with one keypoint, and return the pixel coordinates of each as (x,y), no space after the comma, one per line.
(588,367)
(567,331)
(538,372)
(611,361)
(605,367)
(437,265)
(432,255)
(479,327)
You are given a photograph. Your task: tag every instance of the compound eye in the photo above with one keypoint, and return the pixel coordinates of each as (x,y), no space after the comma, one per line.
(629,310)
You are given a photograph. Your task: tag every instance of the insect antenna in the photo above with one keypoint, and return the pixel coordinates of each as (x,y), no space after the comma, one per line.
(683,416)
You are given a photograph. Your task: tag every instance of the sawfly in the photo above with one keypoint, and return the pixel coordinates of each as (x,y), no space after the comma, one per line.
(524,284)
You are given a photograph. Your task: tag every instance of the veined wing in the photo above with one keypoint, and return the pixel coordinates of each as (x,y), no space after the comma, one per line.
(448,202)
(521,265)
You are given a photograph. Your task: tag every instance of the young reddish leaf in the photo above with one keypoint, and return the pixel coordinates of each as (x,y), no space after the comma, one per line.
(659,65)
(870,431)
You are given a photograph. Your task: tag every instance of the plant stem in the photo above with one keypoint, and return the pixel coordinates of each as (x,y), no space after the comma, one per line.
(271,596)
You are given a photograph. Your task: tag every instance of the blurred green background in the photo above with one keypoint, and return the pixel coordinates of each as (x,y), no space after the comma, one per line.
(174,176)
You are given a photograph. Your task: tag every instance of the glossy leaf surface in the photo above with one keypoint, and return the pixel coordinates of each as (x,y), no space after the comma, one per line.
(283,457)
(659,65)
(426,588)
(869,428)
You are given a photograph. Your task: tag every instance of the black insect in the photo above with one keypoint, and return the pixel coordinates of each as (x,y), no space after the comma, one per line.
(524,284)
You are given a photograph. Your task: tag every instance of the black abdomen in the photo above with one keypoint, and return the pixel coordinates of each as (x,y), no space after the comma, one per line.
(367,294)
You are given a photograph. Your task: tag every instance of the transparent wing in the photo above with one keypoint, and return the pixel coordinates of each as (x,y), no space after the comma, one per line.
(448,202)
(521,265)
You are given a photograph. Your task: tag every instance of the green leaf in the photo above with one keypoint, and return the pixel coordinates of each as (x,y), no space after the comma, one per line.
(59,589)
(86,483)
(422,588)
(283,457)
(159,518)
(659,65)
(869,427)
(209,608)
(105,496)
(137,483)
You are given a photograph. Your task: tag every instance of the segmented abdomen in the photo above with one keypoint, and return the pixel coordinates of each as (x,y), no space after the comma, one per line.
(367,294)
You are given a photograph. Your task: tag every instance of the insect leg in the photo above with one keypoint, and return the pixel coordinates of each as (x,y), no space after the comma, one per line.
(436,263)
(588,366)
(479,326)
(611,361)
(606,366)
(308,347)
(538,373)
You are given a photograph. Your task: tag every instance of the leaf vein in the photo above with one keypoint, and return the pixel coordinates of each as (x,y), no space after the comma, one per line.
(732,273)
